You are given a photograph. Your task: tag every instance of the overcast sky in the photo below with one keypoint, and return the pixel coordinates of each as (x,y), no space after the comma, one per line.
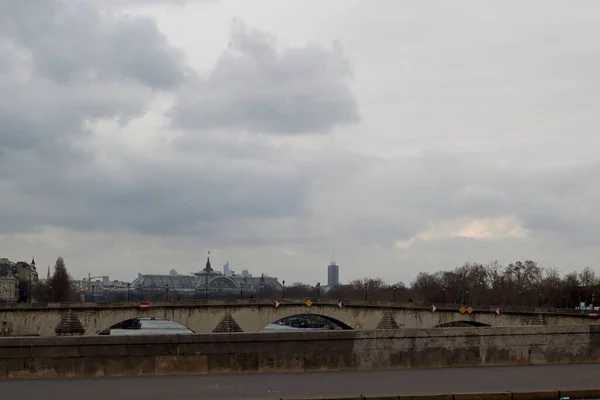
(136,135)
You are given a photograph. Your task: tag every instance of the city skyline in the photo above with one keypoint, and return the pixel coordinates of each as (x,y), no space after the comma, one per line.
(407,136)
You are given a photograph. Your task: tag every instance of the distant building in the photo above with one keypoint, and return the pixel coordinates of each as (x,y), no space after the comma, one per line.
(227,271)
(9,289)
(206,283)
(17,280)
(173,272)
(246,274)
(333,274)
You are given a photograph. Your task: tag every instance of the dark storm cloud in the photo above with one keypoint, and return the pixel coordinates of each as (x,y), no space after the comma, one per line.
(259,86)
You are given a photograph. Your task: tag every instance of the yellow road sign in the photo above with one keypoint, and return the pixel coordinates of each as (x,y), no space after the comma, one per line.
(470,309)
(462,309)
(308,303)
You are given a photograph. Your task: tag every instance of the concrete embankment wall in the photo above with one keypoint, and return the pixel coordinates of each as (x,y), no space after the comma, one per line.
(532,395)
(90,356)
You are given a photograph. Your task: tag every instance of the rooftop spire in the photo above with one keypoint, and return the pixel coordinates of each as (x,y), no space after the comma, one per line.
(208,268)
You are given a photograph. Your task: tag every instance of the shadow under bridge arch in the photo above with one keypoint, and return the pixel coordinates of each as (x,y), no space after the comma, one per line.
(146,326)
(313,322)
(462,324)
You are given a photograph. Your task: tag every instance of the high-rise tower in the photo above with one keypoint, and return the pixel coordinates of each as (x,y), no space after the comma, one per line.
(333,273)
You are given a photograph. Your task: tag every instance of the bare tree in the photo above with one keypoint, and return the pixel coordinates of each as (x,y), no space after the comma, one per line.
(60,286)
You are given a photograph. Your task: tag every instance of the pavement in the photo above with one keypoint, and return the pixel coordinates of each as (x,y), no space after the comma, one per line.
(311,384)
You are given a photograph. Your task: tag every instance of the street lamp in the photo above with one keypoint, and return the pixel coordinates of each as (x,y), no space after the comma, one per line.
(283,289)
(128,287)
(366,291)
(206,290)
(242,290)
(93,293)
(167,291)
(394,291)
(318,290)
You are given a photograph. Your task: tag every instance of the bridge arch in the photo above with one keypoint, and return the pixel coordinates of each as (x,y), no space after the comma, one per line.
(462,324)
(310,321)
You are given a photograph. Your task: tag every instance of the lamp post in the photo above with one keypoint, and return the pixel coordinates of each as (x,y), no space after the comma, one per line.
(93,293)
(318,290)
(167,291)
(366,291)
(128,287)
(283,289)
(520,298)
(394,291)
(206,290)
(241,290)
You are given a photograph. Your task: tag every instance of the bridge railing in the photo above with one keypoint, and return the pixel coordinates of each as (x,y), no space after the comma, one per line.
(439,307)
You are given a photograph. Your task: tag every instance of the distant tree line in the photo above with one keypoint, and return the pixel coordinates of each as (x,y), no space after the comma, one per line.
(523,283)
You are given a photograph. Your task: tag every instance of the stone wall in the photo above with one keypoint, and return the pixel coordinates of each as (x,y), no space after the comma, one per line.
(97,356)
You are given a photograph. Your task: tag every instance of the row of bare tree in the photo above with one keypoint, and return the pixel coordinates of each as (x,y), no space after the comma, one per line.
(523,283)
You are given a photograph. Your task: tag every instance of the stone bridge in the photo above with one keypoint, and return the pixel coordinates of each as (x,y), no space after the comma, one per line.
(253,315)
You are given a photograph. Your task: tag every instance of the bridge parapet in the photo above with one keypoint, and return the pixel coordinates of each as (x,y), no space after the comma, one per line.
(443,307)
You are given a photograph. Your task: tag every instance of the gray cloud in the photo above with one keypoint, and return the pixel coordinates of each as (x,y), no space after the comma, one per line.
(396,199)
(466,117)
(259,86)
(83,67)
(72,42)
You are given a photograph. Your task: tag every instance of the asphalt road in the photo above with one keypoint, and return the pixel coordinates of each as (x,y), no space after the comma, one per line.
(314,384)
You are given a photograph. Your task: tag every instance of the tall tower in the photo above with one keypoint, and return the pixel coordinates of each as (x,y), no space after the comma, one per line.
(333,273)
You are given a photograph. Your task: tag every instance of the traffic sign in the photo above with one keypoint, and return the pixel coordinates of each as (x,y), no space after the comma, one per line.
(469,309)
(432,308)
(462,309)
(308,303)
(144,305)
(341,304)
(275,304)
(499,311)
